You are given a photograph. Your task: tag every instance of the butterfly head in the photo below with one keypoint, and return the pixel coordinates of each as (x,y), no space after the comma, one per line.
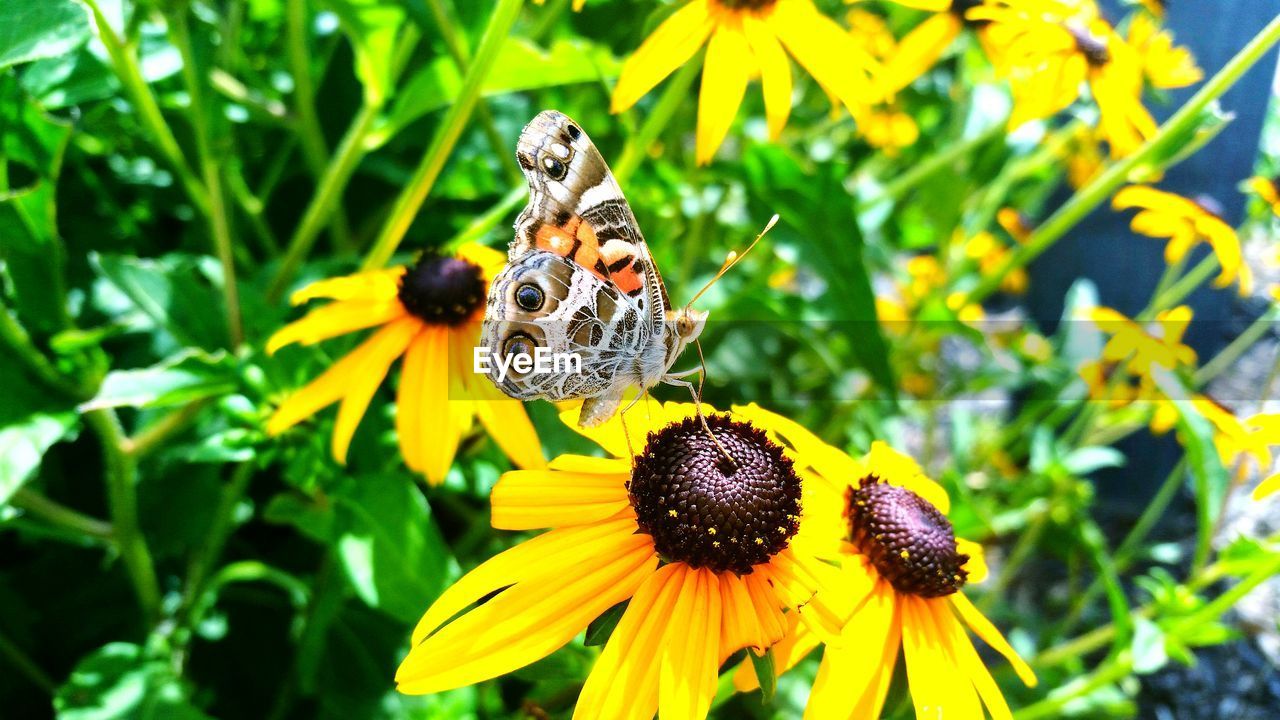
(687,324)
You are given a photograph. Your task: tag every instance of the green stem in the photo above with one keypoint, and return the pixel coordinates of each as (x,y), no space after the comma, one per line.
(1231,353)
(1174,130)
(144,442)
(673,96)
(219,222)
(58,514)
(481,225)
(328,195)
(314,148)
(941,160)
(1185,285)
(19,342)
(124,63)
(121,477)
(1112,671)
(455,121)
(25,665)
(456,44)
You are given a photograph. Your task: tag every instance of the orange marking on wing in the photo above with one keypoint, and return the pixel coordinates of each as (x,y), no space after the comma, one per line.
(615,253)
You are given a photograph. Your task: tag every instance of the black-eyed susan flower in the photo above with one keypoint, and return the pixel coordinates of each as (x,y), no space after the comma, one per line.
(1268,189)
(708,552)
(1141,349)
(1049,48)
(883,124)
(899,587)
(1183,223)
(429,314)
(990,254)
(1018,226)
(1164,65)
(746,39)
(1237,440)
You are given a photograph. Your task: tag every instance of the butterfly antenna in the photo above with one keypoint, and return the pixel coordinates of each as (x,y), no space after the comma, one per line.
(697,399)
(732,259)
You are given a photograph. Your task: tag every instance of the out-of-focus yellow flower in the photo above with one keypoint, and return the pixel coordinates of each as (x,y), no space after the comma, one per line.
(1101,388)
(1155,7)
(1015,223)
(1268,190)
(430,314)
(1084,157)
(888,129)
(745,39)
(1267,487)
(577,4)
(1142,349)
(1036,347)
(1185,222)
(925,274)
(1048,48)
(991,254)
(902,571)
(1236,440)
(919,50)
(1165,66)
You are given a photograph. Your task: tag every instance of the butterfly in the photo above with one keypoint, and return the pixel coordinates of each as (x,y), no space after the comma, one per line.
(580,281)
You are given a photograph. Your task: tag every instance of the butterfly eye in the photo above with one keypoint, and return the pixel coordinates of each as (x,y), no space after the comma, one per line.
(529,297)
(516,345)
(556,169)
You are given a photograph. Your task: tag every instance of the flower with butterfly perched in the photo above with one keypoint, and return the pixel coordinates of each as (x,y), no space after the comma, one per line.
(1049,48)
(429,313)
(745,39)
(902,570)
(707,552)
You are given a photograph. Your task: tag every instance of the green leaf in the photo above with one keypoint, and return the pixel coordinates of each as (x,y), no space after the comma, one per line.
(389,545)
(30,423)
(179,294)
(766,673)
(601,628)
(188,376)
(29,244)
(120,681)
(1147,647)
(520,66)
(69,79)
(372,27)
(1082,461)
(313,519)
(34,29)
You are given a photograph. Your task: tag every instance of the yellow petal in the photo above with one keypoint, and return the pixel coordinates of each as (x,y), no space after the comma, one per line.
(853,678)
(529,620)
(920,50)
(983,628)
(372,286)
(409,406)
(775,72)
(587,464)
(384,347)
(333,320)
(529,499)
(1267,487)
(969,665)
(624,433)
(976,566)
(624,682)
(442,418)
(669,47)
(509,426)
(489,261)
(826,51)
(687,679)
(936,690)
(724,82)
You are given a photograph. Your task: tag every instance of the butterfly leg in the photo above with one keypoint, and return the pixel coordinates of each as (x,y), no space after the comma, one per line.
(697,401)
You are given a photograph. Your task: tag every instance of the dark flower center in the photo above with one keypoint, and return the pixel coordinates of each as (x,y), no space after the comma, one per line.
(1091,46)
(909,542)
(705,511)
(442,290)
(960,8)
(747,4)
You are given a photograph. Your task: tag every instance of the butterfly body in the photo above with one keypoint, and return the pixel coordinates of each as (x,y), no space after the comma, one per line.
(580,281)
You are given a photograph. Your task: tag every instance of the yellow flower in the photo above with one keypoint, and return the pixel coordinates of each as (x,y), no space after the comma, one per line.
(1267,487)
(1185,222)
(1140,349)
(1268,190)
(1165,66)
(709,553)
(1015,223)
(1237,441)
(430,314)
(901,572)
(1048,48)
(745,39)
(991,255)
(1155,7)
(888,129)
(919,50)
(1084,157)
